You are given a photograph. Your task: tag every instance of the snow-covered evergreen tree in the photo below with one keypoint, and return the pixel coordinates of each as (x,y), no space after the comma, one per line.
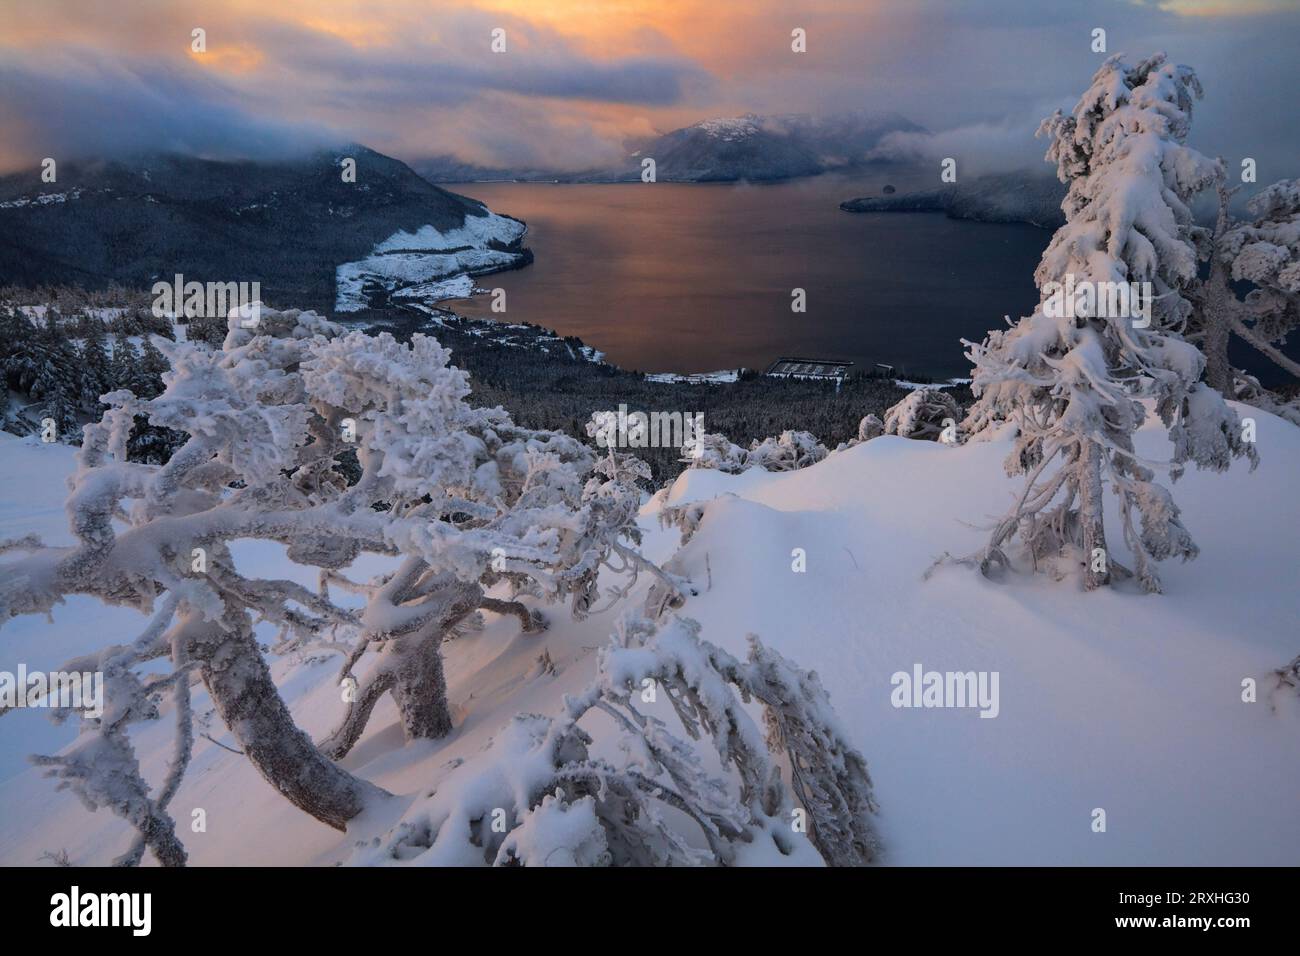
(1265,252)
(923,414)
(125,365)
(94,373)
(870,427)
(56,384)
(1071,380)
(788,451)
(152,366)
(716,451)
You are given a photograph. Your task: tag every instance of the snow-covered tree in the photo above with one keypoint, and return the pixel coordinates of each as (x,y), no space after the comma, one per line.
(924,414)
(613,496)
(1265,252)
(55,384)
(870,427)
(716,451)
(101,766)
(152,366)
(94,375)
(788,451)
(125,365)
(1071,380)
(459,497)
(20,350)
(557,804)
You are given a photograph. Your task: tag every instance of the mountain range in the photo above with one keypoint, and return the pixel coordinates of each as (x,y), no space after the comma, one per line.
(750,147)
(298,227)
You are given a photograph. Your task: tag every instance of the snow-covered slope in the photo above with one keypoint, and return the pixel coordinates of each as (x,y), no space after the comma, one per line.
(1110,700)
(430,263)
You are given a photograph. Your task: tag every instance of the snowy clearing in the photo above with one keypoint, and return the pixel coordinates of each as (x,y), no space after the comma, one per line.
(723,377)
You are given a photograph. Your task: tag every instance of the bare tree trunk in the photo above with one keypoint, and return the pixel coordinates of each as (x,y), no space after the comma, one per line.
(341,741)
(419,686)
(1091,518)
(159,835)
(530,621)
(1265,347)
(410,668)
(250,705)
(1215,315)
(1222,315)
(1217,304)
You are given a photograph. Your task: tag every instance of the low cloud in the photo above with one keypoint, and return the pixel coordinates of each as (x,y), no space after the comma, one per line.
(274,87)
(978,148)
(416,79)
(79,104)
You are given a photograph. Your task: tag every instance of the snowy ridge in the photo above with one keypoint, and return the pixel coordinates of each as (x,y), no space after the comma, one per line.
(730,129)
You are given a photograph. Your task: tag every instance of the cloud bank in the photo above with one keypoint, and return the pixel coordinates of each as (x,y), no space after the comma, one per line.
(416,79)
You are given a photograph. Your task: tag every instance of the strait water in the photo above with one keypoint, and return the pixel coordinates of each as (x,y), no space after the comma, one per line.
(699,277)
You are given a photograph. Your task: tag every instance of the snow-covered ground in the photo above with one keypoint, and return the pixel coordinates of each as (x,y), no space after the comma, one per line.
(457,287)
(723,377)
(917,386)
(440,263)
(43,199)
(1112,700)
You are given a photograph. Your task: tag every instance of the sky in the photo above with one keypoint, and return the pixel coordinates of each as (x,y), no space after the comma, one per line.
(578,78)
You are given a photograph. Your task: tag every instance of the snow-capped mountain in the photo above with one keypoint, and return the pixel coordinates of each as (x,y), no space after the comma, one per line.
(720,149)
(295,226)
(744,147)
(767,147)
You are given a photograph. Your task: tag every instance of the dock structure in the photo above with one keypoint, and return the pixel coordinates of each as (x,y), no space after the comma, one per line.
(825,369)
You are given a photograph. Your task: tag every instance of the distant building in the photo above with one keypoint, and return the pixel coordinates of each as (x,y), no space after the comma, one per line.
(826,369)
